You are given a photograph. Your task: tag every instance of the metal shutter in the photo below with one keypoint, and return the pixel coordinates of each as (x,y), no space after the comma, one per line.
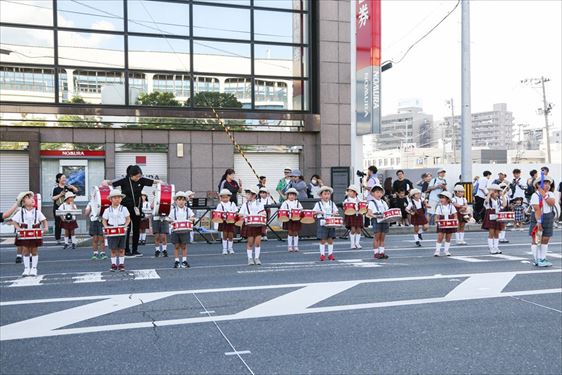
(14,176)
(270,165)
(156,166)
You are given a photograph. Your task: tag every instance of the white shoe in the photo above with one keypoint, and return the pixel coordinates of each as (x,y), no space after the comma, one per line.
(231,251)
(290,249)
(224,252)
(250,262)
(447,253)
(257,261)
(264,238)
(436,253)
(26,272)
(358,246)
(33,271)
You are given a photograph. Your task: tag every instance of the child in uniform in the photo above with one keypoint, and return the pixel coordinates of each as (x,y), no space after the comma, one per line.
(493,205)
(160,229)
(401,202)
(26,218)
(461,205)
(324,209)
(519,212)
(542,220)
(444,210)
(96,231)
(503,186)
(377,207)
(266,200)
(145,221)
(417,209)
(292,227)
(252,233)
(354,223)
(180,212)
(227,229)
(116,216)
(68,222)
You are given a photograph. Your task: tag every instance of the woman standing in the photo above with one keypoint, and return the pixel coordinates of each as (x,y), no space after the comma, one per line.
(297,182)
(58,198)
(315,185)
(131,186)
(229,183)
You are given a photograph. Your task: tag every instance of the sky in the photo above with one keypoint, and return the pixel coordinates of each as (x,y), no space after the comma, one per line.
(510,41)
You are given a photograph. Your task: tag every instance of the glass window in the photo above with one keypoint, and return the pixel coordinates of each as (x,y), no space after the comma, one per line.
(27,84)
(28,46)
(227,2)
(158,53)
(221,22)
(285,61)
(205,84)
(138,81)
(283,4)
(221,57)
(241,88)
(91,14)
(208,94)
(92,86)
(177,84)
(158,17)
(283,27)
(278,94)
(32,12)
(90,49)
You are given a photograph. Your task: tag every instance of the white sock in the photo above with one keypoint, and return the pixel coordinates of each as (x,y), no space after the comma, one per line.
(496,243)
(249,252)
(358,238)
(177,259)
(352,239)
(381,249)
(230,244)
(330,249)
(502,235)
(457,236)
(26,262)
(65,240)
(375,249)
(296,241)
(447,245)
(416,239)
(18,255)
(491,243)
(157,248)
(191,236)
(535,251)
(544,249)
(121,260)
(438,246)
(257,251)
(164,246)
(224,244)
(420,231)
(322,249)
(113,260)
(462,236)
(105,242)
(95,252)
(290,241)
(184,259)
(73,240)
(35,260)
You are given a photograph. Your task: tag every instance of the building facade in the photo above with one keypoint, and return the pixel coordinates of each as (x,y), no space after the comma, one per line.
(89,87)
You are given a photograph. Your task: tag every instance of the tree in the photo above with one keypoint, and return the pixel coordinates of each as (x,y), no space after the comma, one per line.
(158,98)
(76,99)
(214,100)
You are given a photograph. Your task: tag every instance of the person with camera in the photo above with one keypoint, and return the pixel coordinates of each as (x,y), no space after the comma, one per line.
(58,199)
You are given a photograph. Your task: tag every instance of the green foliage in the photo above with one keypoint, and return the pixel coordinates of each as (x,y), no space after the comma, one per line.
(158,98)
(76,99)
(214,100)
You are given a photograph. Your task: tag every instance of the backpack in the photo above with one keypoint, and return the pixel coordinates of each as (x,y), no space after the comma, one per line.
(529,191)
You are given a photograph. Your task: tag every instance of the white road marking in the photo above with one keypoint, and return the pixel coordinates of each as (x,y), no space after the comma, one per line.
(27,281)
(507,257)
(90,277)
(548,254)
(470,259)
(482,285)
(144,274)
(238,352)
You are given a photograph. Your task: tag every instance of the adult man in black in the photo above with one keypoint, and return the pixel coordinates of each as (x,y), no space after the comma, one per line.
(402,183)
(58,198)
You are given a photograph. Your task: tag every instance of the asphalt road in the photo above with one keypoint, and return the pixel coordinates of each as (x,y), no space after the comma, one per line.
(411,313)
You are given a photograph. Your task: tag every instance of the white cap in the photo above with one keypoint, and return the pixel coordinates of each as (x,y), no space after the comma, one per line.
(414,191)
(252,190)
(353,188)
(325,188)
(180,194)
(446,194)
(22,195)
(291,191)
(116,193)
(225,192)
(69,194)
(459,188)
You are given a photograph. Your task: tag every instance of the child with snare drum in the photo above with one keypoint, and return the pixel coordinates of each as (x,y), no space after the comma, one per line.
(354,223)
(444,210)
(96,231)
(326,208)
(227,229)
(293,227)
(252,233)
(116,216)
(461,205)
(377,207)
(417,208)
(68,222)
(180,213)
(493,205)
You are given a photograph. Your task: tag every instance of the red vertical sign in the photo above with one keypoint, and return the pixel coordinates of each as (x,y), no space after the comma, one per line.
(368,61)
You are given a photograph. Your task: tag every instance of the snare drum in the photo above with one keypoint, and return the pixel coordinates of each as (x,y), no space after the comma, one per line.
(101,199)
(506,216)
(182,226)
(448,224)
(334,222)
(231,217)
(283,215)
(391,216)
(296,214)
(63,213)
(30,234)
(114,231)
(255,220)
(163,197)
(363,207)
(349,208)
(308,217)
(217,217)
(239,221)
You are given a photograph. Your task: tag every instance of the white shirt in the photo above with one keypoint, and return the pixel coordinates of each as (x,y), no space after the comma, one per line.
(326,208)
(520,187)
(68,207)
(180,214)
(28,217)
(545,207)
(415,205)
(483,184)
(291,205)
(94,211)
(116,216)
(146,206)
(434,194)
(252,208)
(445,210)
(377,207)
(372,181)
(227,207)
(266,201)
(459,201)
(495,204)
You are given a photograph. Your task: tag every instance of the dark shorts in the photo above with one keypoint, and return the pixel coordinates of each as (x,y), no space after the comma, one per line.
(179,238)
(116,243)
(96,228)
(547,224)
(160,227)
(380,227)
(325,233)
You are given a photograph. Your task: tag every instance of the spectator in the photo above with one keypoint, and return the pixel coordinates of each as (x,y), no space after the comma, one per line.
(58,198)
(297,182)
(424,182)
(501,178)
(372,180)
(229,183)
(517,186)
(402,183)
(436,186)
(530,188)
(546,171)
(315,185)
(388,191)
(282,184)
(262,182)
(481,195)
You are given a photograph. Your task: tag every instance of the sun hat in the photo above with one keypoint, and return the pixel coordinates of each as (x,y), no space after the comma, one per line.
(225,192)
(116,193)
(325,188)
(22,195)
(445,194)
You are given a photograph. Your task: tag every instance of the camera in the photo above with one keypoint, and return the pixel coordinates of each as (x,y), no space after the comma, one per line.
(361,174)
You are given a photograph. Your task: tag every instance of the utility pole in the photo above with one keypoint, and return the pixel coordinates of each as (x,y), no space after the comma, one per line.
(547,107)
(466,115)
(453,130)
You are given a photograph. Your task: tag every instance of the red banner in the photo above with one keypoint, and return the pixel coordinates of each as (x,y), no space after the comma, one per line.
(73,153)
(368,61)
